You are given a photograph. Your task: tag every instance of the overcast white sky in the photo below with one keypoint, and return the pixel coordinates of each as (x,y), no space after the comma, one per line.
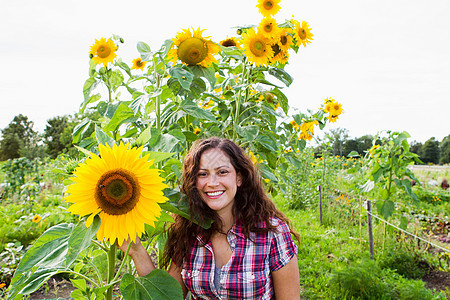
(387,62)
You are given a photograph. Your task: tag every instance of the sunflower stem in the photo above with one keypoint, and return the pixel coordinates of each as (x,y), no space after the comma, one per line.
(124,260)
(111,269)
(158,98)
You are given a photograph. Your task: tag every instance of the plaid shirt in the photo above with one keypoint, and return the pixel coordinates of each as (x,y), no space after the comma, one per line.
(247,275)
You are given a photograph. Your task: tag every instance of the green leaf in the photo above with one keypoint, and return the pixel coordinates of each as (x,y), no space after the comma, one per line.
(53,252)
(192,109)
(266,172)
(89,85)
(158,156)
(183,76)
(281,75)
(123,114)
(144,50)
(115,79)
(249,133)
(385,208)
(102,137)
(282,99)
(267,141)
(156,285)
(207,73)
(80,129)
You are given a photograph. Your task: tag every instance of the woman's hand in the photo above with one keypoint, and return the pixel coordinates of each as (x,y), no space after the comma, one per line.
(140,256)
(136,246)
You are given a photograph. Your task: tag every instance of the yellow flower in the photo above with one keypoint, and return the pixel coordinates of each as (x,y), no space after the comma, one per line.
(307,130)
(333,118)
(138,64)
(197,131)
(254,158)
(121,188)
(268,27)
(257,47)
(103,51)
(268,7)
(302,33)
(294,125)
(36,219)
(207,104)
(230,42)
(281,56)
(193,49)
(285,39)
(2,285)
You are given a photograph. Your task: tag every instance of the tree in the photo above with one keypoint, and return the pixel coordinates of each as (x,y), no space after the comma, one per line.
(15,136)
(53,133)
(429,153)
(337,138)
(415,147)
(445,150)
(360,145)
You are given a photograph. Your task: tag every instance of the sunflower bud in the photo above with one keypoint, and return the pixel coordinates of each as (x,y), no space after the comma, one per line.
(239,31)
(91,55)
(269,97)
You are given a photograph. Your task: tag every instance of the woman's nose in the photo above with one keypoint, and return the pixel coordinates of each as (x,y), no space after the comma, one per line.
(212,180)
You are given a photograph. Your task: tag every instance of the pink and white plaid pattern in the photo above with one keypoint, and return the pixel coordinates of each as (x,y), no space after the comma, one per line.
(248,273)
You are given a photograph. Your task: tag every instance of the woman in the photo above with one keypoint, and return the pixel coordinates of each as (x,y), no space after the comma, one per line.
(248,252)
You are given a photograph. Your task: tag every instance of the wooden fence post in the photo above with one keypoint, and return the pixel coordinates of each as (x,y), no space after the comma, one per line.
(320,203)
(369,222)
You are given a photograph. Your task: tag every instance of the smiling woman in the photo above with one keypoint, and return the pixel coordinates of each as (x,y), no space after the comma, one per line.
(248,252)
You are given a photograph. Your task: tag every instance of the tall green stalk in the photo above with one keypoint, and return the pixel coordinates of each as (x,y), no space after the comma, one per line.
(111,270)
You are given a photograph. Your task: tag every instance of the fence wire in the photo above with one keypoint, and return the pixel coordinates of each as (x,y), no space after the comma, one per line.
(409,233)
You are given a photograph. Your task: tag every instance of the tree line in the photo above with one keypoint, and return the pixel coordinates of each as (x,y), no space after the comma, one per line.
(339,143)
(20,140)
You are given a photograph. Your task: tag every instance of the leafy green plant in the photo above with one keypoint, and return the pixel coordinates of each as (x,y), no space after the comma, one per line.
(388,170)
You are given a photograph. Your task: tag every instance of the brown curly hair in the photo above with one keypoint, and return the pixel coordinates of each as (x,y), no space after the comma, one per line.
(251,205)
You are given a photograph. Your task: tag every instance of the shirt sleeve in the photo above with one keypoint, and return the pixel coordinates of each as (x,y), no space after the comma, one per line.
(282,247)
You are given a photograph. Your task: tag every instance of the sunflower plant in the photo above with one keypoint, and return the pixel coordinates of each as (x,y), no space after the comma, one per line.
(140,119)
(388,170)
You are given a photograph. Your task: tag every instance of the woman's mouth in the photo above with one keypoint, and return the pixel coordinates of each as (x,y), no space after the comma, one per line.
(214,194)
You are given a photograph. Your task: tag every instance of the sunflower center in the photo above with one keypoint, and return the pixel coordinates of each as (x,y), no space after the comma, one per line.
(268,27)
(117,192)
(192,51)
(258,48)
(139,63)
(283,40)
(302,33)
(103,51)
(229,43)
(268,5)
(276,49)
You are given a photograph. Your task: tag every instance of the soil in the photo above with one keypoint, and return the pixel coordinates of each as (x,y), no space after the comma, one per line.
(438,280)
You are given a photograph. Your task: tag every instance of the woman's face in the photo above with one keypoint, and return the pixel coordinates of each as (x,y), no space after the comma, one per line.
(217,180)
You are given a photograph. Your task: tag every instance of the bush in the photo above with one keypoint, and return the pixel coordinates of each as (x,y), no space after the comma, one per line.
(366,280)
(407,264)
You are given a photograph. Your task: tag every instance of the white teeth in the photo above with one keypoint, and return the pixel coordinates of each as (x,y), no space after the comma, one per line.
(214,193)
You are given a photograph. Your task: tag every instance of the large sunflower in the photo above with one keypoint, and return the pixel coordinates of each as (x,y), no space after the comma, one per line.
(268,7)
(103,51)
(302,33)
(121,188)
(269,28)
(193,49)
(257,47)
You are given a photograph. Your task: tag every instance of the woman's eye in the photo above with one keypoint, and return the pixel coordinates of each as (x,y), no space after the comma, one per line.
(202,174)
(223,172)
